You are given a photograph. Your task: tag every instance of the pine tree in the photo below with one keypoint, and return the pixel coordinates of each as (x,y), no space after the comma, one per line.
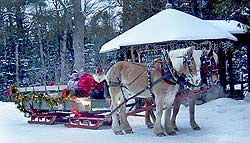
(136,11)
(100,30)
(233,9)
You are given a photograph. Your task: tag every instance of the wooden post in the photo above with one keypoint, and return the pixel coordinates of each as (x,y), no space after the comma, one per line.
(248,65)
(222,67)
(132,55)
(230,71)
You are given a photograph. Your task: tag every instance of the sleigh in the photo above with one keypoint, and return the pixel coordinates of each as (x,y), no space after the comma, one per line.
(73,112)
(47,105)
(96,112)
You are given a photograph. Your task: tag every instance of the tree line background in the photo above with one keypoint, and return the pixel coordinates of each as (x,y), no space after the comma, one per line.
(42,41)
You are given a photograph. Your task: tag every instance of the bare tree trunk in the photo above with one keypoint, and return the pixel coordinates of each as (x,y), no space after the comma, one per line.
(63,57)
(49,66)
(57,67)
(194,8)
(17,65)
(200,9)
(63,51)
(78,35)
(41,52)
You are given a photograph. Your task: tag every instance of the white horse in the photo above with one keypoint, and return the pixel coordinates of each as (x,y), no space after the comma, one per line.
(209,70)
(133,77)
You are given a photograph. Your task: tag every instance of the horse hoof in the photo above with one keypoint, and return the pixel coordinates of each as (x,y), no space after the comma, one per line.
(150,126)
(160,135)
(176,129)
(118,133)
(172,133)
(129,132)
(196,128)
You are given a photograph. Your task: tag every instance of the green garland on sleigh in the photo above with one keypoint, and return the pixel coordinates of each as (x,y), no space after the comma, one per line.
(19,98)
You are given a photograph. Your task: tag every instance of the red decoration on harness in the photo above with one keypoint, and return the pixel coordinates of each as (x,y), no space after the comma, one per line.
(162,71)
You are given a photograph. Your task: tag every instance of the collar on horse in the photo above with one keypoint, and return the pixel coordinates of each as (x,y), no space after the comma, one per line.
(169,75)
(172,77)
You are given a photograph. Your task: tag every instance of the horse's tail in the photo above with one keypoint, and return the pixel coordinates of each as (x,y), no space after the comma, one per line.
(114,73)
(109,74)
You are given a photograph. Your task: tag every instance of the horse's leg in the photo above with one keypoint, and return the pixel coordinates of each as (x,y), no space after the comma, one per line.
(193,124)
(148,114)
(176,109)
(148,122)
(115,95)
(158,129)
(124,122)
(168,126)
(152,115)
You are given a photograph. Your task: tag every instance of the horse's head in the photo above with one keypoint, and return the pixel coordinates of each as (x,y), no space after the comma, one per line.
(209,65)
(187,62)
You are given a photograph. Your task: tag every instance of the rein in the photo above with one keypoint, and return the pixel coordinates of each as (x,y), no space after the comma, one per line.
(140,92)
(176,78)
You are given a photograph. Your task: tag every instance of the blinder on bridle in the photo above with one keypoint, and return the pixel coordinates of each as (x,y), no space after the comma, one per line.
(192,69)
(189,61)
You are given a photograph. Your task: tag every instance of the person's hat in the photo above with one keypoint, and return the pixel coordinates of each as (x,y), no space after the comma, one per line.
(99,70)
(75,72)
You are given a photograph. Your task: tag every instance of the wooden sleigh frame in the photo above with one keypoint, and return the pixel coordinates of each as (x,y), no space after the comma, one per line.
(42,113)
(82,113)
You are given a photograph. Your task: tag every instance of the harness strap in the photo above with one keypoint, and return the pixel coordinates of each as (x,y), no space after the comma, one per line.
(149,79)
(135,79)
(174,77)
(114,84)
(120,84)
(165,76)
(126,100)
(167,68)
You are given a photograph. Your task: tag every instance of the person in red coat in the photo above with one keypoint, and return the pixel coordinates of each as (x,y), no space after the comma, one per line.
(86,84)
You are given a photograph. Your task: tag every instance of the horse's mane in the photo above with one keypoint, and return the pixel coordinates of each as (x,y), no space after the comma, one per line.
(215,56)
(176,57)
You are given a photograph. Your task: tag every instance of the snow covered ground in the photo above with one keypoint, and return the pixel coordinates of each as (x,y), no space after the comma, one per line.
(222,121)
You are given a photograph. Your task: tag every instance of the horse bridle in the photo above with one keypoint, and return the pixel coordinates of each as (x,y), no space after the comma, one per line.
(168,74)
(189,61)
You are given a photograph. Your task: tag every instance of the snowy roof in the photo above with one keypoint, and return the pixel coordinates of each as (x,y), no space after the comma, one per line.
(167,25)
(231,26)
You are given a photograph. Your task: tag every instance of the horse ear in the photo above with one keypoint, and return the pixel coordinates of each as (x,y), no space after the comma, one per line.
(190,50)
(210,53)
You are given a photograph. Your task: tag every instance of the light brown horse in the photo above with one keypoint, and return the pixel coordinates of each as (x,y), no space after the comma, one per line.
(133,77)
(209,61)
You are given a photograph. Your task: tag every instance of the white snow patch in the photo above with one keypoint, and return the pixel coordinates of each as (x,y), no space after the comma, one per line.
(222,121)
